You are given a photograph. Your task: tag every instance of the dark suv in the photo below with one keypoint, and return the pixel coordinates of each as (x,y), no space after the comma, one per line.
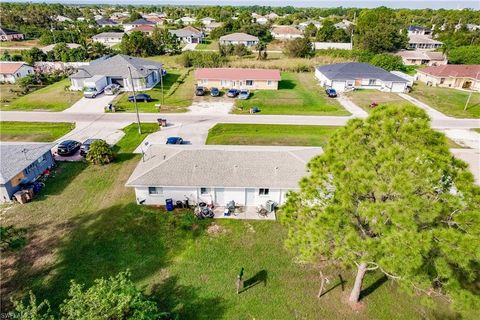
(86,146)
(68,147)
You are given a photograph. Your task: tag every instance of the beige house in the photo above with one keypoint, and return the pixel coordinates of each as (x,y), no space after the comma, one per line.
(452,76)
(11,71)
(286,33)
(239,78)
(239,38)
(429,58)
(421,42)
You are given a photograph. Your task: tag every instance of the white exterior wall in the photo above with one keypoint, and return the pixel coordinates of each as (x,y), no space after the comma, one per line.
(342,85)
(286,36)
(108,41)
(20,73)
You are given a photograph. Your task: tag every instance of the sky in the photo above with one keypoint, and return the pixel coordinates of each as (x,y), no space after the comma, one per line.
(434,4)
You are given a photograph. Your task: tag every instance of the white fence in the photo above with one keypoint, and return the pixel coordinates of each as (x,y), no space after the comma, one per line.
(332,45)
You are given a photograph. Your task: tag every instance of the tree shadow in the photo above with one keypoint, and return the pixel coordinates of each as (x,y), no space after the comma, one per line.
(377,284)
(286,84)
(61,176)
(259,277)
(341,282)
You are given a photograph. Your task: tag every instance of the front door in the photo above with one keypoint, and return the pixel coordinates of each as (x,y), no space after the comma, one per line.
(249,197)
(220,196)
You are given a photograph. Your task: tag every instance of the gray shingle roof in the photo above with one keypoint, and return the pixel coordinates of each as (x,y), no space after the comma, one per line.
(238,36)
(186,32)
(5,32)
(109,35)
(223,166)
(117,66)
(15,157)
(105,22)
(140,22)
(356,70)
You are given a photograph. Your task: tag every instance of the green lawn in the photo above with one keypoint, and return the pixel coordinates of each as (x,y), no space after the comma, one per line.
(51,98)
(85,225)
(178,88)
(276,134)
(449,101)
(207,45)
(6,93)
(132,139)
(298,93)
(363,98)
(20,44)
(34,131)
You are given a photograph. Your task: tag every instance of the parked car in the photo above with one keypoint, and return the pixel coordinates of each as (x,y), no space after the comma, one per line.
(331,93)
(214,92)
(244,94)
(68,147)
(200,91)
(232,93)
(174,140)
(140,97)
(112,89)
(86,146)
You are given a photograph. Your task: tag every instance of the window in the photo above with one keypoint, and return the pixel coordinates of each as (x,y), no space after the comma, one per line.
(204,190)
(205,81)
(442,80)
(249,82)
(225,83)
(372,82)
(263,191)
(269,82)
(155,190)
(41,159)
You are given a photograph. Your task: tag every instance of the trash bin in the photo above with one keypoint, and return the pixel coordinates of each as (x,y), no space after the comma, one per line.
(163,122)
(169,204)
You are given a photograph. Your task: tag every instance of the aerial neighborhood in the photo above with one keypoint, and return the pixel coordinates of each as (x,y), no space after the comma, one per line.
(239,162)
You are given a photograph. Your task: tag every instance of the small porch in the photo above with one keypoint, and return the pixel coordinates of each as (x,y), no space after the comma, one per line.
(243,213)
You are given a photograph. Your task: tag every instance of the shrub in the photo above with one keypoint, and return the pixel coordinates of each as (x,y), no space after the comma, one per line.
(201,59)
(388,62)
(298,48)
(100,153)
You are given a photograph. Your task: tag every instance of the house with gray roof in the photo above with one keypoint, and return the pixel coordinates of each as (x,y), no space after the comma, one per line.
(248,175)
(108,38)
(137,23)
(20,164)
(239,38)
(145,73)
(188,34)
(358,75)
(104,22)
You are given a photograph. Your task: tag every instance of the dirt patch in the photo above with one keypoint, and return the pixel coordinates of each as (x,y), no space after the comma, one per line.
(355,308)
(214,230)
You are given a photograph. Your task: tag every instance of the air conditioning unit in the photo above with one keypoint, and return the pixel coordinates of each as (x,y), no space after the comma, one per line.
(271,206)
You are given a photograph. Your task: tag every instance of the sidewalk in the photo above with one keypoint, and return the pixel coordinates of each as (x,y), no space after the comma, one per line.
(351,107)
(433,113)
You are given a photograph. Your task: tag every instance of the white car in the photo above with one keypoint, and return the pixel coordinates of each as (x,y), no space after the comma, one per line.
(112,89)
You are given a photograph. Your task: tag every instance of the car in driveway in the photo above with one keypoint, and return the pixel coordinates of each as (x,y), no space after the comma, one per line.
(244,95)
(112,89)
(68,147)
(174,140)
(86,146)
(232,93)
(331,93)
(214,92)
(200,91)
(140,97)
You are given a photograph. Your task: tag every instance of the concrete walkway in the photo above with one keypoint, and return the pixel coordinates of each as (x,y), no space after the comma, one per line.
(95,105)
(433,113)
(351,107)
(190,47)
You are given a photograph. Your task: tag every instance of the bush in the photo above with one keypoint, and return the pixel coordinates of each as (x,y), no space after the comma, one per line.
(299,48)
(464,55)
(201,59)
(100,153)
(388,62)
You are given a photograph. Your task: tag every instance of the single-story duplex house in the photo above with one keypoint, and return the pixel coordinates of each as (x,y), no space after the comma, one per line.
(147,29)
(416,57)
(303,25)
(137,23)
(358,75)
(104,22)
(22,163)
(238,78)
(239,38)
(186,21)
(419,42)
(108,38)
(188,34)
(344,24)
(207,20)
(145,73)
(248,175)
(50,47)
(465,76)
(11,71)
(419,30)
(211,26)
(10,35)
(286,33)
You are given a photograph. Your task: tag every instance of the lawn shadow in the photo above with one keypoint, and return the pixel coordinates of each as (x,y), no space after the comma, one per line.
(286,84)
(377,284)
(168,80)
(259,277)
(61,176)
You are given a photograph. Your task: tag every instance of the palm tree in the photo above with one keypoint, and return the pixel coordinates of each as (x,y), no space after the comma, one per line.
(261,48)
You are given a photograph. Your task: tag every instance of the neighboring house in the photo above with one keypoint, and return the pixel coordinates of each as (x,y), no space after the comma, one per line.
(472,27)
(50,47)
(147,29)
(460,76)
(188,35)
(419,42)
(108,38)
(137,23)
(286,33)
(103,22)
(10,35)
(332,45)
(145,73)
(419,31)
(248,175)
(22,163)
(272,16)
(212,26)
(11,71)
(207,20)
(304,24)
(155,19)
(416,57)
(239,38)
(358,75)
(186,21)
(261,19)
(60,18)
(344,24)
(239,78)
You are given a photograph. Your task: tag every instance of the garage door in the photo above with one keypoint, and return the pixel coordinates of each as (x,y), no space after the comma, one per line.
(118,81)
(339,86)
(249,197)
(220,196)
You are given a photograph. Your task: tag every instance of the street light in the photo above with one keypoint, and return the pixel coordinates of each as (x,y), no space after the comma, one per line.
(135,101)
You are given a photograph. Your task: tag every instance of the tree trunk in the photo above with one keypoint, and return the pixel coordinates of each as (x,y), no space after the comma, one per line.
(322,284)
(357,287)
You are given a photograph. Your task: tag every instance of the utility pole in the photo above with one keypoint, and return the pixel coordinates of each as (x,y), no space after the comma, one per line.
(470,95)
(161,83)
(135,101)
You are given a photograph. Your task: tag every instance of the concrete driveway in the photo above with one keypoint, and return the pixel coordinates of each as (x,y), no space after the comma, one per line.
(95,105)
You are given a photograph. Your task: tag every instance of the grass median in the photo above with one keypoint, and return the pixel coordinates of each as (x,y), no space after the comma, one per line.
(33,131)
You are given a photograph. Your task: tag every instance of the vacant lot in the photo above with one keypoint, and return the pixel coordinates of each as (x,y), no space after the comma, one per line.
(20,44)
(6,93)
(54,97)
(449,101)
(34,131)
(298,93)
(178,87)
(263,134)
(363,98)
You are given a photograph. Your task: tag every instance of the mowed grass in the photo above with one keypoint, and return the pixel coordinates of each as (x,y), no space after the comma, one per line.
(33,131)
(20,44)
(271,134)
(298,93)
(363,98)
(7,93)
(50,98)
(451,102)
(178,94)
(207,45)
